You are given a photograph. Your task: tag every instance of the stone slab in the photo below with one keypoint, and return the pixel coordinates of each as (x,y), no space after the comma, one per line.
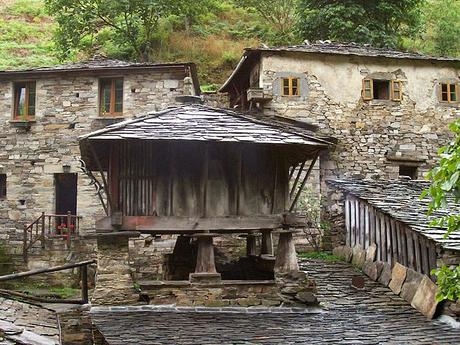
(398,276)
(411,284)
(359,256)
(425,298)
(385,276)
(343,252)
(373,269)
(371,252)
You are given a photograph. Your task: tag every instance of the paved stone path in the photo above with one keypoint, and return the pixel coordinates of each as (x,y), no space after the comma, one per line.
(370,316)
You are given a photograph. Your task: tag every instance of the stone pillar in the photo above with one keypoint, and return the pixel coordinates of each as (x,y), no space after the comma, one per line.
(286,256)
(267,242)
(205,269)
(114,284)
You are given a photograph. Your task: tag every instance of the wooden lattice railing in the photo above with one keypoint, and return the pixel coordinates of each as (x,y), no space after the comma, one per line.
(65,226)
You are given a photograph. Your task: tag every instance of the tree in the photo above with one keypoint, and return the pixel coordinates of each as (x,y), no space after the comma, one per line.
(279,14)
(443,26)
(377,22)
(131,25)
(445,186)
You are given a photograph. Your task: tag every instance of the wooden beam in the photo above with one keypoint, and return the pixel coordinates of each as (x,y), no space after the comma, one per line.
(294,202)
(101,171)
(179,225)
(291,193)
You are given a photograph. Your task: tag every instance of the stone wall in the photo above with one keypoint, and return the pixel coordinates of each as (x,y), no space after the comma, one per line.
(374,137)
(66,107)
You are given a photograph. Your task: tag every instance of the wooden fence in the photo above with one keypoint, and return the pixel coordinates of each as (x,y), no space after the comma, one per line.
(395,241)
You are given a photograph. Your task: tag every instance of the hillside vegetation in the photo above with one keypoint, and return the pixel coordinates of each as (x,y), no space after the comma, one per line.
(213,38)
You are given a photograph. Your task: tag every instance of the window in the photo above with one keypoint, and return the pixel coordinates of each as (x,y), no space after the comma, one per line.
(408,171)
(382,89)
(449,92)
(2,186)
(290,86)
(24,100)
(111,97)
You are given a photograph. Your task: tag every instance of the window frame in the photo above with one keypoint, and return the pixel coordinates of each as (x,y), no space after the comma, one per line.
(27,85)
(111,112)
(449,92)
(290,87)
(370,90)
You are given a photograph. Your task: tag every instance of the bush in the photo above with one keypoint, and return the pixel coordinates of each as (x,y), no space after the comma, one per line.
(448,281)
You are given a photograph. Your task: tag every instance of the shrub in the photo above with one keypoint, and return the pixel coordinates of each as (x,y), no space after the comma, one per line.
(448,281)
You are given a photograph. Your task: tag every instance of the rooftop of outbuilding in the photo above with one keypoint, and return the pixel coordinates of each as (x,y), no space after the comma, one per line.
(204,123)
(400,199)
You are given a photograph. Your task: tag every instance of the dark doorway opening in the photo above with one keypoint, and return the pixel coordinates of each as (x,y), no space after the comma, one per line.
(66,193)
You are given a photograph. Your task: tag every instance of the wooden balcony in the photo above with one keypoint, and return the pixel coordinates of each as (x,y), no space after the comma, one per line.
(257,94)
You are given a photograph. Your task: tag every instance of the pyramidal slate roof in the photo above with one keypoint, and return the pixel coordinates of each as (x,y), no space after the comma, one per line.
(203,123)
(400,199)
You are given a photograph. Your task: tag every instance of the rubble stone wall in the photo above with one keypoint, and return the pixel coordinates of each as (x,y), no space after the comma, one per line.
(374,137)
(66,107)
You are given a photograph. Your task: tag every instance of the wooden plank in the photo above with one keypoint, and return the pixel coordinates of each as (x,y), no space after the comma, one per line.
(352,221)
(424,255)
(347,222)
(388,242)
(410,248)
(378,238)
(383,236)
(362,226)
(179,225)
(394,241)
(366,226)
(371,218)
(418,259)
(402,244)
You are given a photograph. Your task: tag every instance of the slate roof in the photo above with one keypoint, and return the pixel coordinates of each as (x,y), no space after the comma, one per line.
(97,63)
(330,48)
(373,315)
(203,123)
(327,47)
(400,199)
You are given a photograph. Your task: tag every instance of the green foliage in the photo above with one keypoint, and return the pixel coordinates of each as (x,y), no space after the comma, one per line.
(133,24)
(380,23)
(443,26)
(445,182)
(30,8)
(448,281)
(280,17)
(445,185)
(209,88)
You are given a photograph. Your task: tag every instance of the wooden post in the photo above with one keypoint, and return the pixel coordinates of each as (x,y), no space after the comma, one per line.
(43,230)
(205,268)
(84,284)
(251,244)
(24,248)
(68,221)
(267,242)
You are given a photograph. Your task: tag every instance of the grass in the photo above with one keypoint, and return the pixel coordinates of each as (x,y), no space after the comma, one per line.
(326,256)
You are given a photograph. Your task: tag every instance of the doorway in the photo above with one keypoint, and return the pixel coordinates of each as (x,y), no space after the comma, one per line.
(66,193)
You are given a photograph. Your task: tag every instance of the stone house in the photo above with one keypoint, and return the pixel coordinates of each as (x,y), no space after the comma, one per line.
(44,110)
(389,110)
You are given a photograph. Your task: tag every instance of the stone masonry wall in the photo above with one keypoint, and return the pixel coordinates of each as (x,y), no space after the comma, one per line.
(66,107)
(374,137)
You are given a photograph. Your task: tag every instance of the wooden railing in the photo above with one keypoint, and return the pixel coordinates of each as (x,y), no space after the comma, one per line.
(83,265)
(395,240)
(65,226)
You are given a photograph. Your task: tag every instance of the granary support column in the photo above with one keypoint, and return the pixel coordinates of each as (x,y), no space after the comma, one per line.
(205,269)
(267,242)
(286,256)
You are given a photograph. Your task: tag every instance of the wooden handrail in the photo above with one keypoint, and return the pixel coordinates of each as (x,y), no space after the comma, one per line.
(84,275)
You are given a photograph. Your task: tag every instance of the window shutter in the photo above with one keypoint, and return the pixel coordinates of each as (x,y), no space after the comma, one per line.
(367,91)
(396,90)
